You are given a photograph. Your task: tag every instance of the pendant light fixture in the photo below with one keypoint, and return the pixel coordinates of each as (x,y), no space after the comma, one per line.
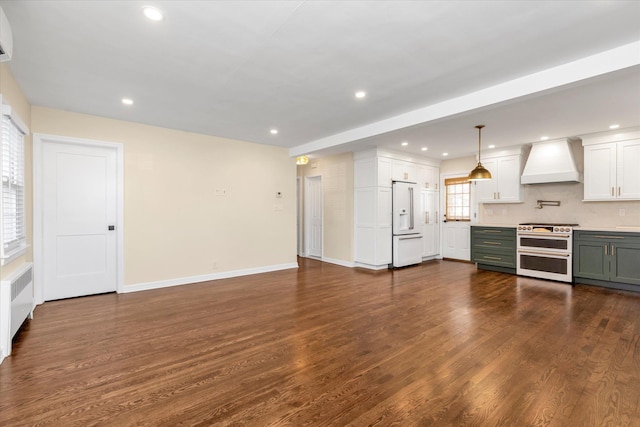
(302,160)
(480,173)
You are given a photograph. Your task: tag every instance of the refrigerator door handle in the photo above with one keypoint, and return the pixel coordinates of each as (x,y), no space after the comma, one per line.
(410,208)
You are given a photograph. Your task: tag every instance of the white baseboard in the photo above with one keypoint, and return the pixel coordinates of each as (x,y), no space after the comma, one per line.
(349,264)
(371,267)
(206,277)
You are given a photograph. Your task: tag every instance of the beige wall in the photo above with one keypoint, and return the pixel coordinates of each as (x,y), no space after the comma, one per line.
(13,96)
(337,190)
(571,210)
(175,226)
(463,164)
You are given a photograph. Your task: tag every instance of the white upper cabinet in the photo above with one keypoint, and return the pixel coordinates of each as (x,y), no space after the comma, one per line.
(628,170)
(403,171)
(600,172)
(504,187)
(612,166)
(428,177)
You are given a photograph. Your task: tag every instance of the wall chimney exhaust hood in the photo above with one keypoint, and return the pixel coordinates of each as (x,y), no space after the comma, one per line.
(550,161)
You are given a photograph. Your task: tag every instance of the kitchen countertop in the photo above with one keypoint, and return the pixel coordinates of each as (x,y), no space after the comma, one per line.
(620,229)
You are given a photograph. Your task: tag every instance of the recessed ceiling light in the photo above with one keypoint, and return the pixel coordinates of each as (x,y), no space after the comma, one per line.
(614,126)
(404,144)
(127,101)
(544,138)
(153,13)
(361,94)
(274,131)
(445,154)
(424,148)
(492,146)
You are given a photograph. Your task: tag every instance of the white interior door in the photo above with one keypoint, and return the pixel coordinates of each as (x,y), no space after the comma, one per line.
(79,219)
(313,216)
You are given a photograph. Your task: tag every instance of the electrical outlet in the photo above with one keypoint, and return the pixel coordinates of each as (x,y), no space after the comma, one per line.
(221,192)
(621,212)
(214,265)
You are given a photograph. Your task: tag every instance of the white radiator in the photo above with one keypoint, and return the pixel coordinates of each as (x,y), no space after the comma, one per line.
(16,304)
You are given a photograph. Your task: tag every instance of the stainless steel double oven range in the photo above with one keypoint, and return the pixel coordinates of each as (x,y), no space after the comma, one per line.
(545,251)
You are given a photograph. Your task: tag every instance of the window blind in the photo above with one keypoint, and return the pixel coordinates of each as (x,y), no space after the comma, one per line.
(12,210)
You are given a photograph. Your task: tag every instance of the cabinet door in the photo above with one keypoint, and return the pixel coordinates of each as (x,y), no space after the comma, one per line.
(628,169)
(508,179)
(625,267)
(600,172)
(430,223)
(402,171)
(591,259)
(487,191)
(431,176)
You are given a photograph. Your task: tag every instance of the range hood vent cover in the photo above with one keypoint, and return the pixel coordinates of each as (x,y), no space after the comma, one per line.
(550,161)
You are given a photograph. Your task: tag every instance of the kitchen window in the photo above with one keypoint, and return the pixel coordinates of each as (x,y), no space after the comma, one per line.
(12,209)
(458,201)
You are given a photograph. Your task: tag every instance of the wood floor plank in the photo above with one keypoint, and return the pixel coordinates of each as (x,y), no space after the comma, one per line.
(440,344)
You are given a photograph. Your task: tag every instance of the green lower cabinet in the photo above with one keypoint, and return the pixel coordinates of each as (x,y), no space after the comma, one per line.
(625,263)
(607,259)
(589,260)
(494,248)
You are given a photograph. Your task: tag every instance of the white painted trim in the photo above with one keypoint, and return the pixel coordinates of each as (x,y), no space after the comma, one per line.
(340,262)
(38,196)
(371,266)
(300,216)
(15,118)
(307,222)
(602,63)
(206,277)
(610,136)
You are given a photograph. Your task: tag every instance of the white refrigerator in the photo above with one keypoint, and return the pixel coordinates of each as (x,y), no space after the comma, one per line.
(407,239)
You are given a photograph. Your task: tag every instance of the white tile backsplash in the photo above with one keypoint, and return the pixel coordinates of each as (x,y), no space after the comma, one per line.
(572,209)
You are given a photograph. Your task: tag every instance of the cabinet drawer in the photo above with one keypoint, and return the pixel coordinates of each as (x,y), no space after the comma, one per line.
(491,242)
(605,236)
(493,231)
(496,258)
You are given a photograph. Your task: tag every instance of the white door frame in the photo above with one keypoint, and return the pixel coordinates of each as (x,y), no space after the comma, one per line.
(307,210)
(475,207)
(300,217)
(443,203)
(38,200)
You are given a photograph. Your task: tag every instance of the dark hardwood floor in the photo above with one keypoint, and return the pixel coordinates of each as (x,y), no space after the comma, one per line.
(440,344)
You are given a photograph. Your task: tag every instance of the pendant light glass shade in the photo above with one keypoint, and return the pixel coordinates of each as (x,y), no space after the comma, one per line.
(479,173)
(302,160)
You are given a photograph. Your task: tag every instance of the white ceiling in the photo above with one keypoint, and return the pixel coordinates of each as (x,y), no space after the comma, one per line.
(432,69)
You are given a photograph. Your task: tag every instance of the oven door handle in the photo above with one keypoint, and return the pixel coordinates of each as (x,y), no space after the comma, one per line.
(543,253)
(547,235)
